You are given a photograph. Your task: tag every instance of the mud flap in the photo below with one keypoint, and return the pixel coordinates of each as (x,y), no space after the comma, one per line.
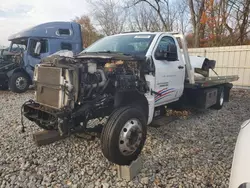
(227,88)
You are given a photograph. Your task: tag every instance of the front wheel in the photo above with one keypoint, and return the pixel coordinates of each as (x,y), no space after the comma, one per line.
(19,82)
(124,135)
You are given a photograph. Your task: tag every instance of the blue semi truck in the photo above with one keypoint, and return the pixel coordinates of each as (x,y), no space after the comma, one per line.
(28,47)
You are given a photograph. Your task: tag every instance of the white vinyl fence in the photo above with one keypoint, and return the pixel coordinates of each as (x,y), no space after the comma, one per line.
(230,60)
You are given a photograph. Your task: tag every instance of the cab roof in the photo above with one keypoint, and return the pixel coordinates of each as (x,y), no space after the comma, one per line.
(44,30)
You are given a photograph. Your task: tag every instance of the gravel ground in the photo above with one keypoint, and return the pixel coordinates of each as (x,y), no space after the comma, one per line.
(196,152)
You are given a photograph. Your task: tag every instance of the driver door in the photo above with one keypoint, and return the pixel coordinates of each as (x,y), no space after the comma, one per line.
(169,74)
(32,58)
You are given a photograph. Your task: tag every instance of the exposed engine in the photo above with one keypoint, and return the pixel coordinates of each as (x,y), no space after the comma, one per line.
(71,91)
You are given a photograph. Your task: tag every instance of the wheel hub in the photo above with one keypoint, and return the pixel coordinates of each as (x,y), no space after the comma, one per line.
(130,137)
(21,83)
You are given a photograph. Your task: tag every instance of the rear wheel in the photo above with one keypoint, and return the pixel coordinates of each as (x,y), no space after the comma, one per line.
(220,99)
(124,135)
(19,82)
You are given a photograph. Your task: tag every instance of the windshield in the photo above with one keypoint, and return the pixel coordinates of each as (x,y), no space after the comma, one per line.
(16,48)
(136,44)
(18,45)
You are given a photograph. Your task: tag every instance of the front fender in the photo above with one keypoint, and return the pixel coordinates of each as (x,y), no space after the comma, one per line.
(11,72)
(132,98)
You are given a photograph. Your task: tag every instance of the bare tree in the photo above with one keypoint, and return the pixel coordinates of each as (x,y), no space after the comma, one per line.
(196,10)
(182,20)
(168,13)
(231,18)
(162,9)
(214,23)
(109,15)
(242,15)
(225,22)
(143,18)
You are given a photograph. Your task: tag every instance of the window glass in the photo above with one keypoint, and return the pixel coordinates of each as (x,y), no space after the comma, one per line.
(132,44)
(165,41)
(66,46)
(63,32)
(32,46)
(17,48)
(44,46)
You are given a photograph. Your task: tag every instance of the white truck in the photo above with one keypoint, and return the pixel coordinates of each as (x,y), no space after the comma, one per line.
(130,78)
(240,176)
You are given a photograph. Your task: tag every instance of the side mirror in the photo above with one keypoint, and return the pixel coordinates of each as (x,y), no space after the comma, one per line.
(170,54)
(37,48)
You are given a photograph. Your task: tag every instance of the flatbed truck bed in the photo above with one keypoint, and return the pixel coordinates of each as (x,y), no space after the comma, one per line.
(205,82)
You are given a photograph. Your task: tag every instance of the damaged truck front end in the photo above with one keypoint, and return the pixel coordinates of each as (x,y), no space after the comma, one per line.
(72,91)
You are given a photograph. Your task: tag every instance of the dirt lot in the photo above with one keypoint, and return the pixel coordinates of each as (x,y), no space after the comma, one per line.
(196,152)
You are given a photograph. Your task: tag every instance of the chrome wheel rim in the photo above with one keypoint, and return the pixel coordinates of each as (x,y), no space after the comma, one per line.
(130,137)
(221,98)
(21,83)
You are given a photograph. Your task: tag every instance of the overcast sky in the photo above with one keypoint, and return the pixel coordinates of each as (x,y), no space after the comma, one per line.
(16,15)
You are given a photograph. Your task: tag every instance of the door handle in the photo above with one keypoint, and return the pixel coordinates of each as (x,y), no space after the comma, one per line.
(180,67)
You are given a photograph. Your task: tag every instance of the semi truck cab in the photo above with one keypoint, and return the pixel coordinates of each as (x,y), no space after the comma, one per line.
(28,47)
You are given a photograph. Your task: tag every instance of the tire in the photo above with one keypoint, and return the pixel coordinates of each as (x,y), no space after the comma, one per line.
(220,99)
(115,135)
(19,82)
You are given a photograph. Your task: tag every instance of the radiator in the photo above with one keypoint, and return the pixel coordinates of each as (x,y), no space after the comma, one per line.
(49,86)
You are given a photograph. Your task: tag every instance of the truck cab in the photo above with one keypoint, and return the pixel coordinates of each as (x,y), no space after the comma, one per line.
(169,69)
(27,49)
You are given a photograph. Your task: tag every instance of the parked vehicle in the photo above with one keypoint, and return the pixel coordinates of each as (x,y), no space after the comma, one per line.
(240,176)
(28,47)
(130,78)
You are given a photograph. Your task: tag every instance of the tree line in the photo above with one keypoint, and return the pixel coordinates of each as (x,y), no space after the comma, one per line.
(205,23)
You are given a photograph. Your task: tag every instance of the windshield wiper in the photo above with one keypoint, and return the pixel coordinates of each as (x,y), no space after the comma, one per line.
(109,52)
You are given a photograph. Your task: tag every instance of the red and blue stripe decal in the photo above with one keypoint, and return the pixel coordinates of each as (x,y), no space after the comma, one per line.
(163,93)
